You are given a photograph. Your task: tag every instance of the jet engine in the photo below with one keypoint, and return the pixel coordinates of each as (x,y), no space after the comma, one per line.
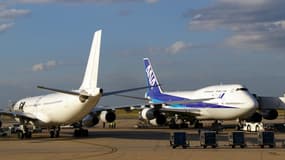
(90,120)
(93,118)
(154,116)
(107,116)
(269,114)
(148,113)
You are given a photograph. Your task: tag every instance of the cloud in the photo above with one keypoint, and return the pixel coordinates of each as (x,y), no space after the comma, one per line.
(13,13)
(44,66)
(38,67)
(255,23)
(174,48)
(8,16)
(177,47)
(151,1)
(4,27)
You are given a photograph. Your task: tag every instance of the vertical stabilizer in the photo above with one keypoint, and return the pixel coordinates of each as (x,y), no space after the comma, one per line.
(152,80)
(89,84)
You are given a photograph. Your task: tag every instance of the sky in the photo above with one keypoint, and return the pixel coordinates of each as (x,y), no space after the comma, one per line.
(192,44)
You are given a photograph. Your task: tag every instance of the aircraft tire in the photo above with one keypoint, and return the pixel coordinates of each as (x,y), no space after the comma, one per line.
(248,128)
(51,134)
(57,134)
(257,128)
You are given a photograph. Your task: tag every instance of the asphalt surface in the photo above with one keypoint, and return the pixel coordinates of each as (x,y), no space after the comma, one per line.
(128,143)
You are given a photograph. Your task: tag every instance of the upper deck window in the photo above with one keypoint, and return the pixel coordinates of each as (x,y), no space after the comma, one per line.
(241,89)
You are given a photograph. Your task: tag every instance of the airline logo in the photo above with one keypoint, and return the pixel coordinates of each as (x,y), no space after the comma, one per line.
(150,75)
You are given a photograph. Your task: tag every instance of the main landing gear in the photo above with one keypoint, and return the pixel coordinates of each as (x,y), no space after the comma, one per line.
(54,132)
(198,124)
(216,126)
(79,131)
(24,132)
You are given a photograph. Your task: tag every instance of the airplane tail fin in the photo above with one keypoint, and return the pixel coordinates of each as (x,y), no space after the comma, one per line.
(152,81)
(89,83)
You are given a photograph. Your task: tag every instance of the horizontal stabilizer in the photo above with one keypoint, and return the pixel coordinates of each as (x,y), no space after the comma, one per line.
(59,90)
(133,97)
(122,91)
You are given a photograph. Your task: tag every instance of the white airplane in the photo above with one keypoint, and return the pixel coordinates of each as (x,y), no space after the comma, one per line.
(63,107)
(218,102)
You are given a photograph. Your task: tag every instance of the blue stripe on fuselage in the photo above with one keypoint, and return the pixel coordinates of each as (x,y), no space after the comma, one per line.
(161,98)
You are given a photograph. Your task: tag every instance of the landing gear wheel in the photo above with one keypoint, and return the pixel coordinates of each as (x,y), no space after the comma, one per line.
(57,134)
(51,134)
(248,128)
(257,129)
(85,133)
(238,127)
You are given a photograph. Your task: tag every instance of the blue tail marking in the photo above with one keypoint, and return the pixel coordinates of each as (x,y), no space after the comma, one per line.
(152,81)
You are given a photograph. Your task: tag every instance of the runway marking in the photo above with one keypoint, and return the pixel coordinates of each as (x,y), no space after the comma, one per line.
(112,149)
(92,149)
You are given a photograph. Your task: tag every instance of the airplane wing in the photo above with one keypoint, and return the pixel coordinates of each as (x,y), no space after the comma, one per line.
(123,91)
(76,93)
(160,106)
(22,115)
(186,101)
(271,102)
(189,111)
(122,107)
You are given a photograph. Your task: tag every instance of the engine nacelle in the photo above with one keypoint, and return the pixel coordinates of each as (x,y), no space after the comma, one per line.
(256,117)
(149,113)
(90,120)
(159,120)
(269,114)
(107,116)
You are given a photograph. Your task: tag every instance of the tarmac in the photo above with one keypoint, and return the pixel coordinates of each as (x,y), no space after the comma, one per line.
(128,143)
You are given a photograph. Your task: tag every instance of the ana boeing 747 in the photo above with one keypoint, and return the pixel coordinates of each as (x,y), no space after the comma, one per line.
(217,102)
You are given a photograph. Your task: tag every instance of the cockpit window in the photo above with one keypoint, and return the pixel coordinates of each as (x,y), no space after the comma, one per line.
(241,89)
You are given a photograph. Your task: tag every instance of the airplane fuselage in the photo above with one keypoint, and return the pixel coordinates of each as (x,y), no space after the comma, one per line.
(56,109)
(225,102)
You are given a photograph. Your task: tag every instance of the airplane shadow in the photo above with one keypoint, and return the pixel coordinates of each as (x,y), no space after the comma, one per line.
(164,135)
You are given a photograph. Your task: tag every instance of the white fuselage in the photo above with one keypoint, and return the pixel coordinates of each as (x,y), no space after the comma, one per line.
(56,109)
(225,102)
